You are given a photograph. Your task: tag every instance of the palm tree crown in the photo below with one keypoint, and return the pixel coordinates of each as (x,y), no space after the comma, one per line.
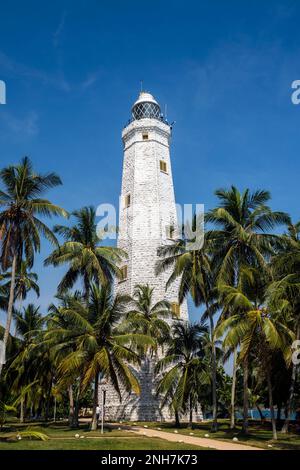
(182,366)
(146,317)
(20,223)
(83,254)
(240,237)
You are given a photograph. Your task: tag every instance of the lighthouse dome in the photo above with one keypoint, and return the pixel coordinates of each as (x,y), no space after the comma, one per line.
(146,107)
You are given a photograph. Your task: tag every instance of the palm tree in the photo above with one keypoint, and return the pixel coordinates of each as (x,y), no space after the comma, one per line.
(285,290)
(61,335)
(82,252)
(197,278)
(28,322)
(23,366)
(254,328)
(182,368)
(25,281)
(148,318)
(3,295)
(100,349)
(20,225)
(239,239)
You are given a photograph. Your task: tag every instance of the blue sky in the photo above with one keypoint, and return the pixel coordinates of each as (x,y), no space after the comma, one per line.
(224,69)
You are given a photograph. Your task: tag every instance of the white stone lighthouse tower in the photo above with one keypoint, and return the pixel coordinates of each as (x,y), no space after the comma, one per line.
(147,221)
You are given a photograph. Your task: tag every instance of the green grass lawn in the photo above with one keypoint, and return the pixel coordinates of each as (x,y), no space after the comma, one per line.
(63,438)
(259,435)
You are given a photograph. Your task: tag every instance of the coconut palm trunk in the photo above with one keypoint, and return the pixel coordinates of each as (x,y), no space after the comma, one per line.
(48,401)
(271,405)
(177,420)
(94,423)
(245,396)
(9,310)
(22,402)
(214,376)
(262,418)
(77,404)
(20,303)
(54,410)
(71,406)
(233,387)
(290,402)
(191,413)
(278,417)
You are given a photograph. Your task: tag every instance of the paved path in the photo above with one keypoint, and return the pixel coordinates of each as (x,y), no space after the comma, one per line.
(198,441)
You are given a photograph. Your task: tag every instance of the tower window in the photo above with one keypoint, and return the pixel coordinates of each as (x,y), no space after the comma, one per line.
(123,274)
(127,200)
(145,136)
(175,309)
(170,232)
(163,166)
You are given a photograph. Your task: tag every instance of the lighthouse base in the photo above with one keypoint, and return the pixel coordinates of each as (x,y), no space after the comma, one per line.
(132,407)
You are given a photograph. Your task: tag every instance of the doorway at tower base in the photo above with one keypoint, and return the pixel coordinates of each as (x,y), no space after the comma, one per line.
(143,407)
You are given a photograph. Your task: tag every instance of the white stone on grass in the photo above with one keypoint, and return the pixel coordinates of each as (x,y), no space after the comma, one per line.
(77,436)
(206,435)
(235,439)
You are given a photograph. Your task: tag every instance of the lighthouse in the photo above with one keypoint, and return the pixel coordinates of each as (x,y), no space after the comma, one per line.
(147,220)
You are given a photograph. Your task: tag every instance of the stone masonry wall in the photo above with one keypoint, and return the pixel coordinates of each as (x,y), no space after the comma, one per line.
(142,230)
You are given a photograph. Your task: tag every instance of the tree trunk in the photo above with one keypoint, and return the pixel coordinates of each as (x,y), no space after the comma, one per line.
(94,423)
(191,414)
(232,406)
(71,407)
(48,400)
(9,312)
(22,410)
(214,377)
(262,418)
(39,409)
(54,410)
(177,420)
(290,403)
(245,397)
(271,402)
(19,308)
(77,403)
(278,417)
